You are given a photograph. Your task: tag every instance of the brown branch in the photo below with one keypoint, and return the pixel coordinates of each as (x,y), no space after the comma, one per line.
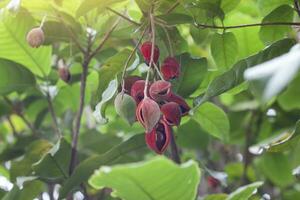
(173,7)
(174,149)
(123,16)
(12,126)
(53,115)
(247,25)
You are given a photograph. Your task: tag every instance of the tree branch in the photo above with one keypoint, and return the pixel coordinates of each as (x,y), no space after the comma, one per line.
(123,16)
(12,126)
(173,7)
(53,115)
(247,25)
(174,149)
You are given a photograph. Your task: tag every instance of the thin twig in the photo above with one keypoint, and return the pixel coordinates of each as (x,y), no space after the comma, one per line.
(105,38)
(14,131)
(247,25)
(158,72)
(53,115)
(123,16)
(174,149)
(130,57)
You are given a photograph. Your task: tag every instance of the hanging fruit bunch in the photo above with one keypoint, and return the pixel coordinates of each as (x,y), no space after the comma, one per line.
(156,107)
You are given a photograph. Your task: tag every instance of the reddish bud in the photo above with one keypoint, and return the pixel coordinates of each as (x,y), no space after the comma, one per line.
(160,90)
(171,113)
(148,113)
(146,51)
(212,182)
(170,68)
(137,91)
(35,37)
(129,81)
(63,71)
(184,107)
(159,138)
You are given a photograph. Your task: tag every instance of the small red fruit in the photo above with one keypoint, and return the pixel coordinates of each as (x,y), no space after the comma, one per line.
(184,107)
(159,138)
(137,91)
(212,182)
(171,113)
(160,90)
(146,51)
(63,71)
(170,68)
(148,113)
(129,81)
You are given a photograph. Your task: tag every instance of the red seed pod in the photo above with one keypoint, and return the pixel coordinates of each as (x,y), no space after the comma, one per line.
(148,113)
(35,37)
(137,91)
(184,107)
(171,113)
(160,90)
(170,68)
(128,82)
(63,71)
(146,51)
(159,138)
(212,182)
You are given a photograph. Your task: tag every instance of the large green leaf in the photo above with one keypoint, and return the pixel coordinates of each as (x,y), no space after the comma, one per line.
(13,46)
(224,49)
(14,77)
(111,68)
(266,6)
(228,5)
(54,165)
(30,190)
(156,179)
(192,74)
(244,192)
(281,14)
(86,168)
(88,5)
(290,98)
(213,120)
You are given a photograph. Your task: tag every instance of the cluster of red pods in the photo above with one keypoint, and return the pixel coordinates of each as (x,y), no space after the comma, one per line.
(160,109)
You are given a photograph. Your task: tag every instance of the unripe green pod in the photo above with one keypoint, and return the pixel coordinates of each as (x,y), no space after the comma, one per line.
(125,107)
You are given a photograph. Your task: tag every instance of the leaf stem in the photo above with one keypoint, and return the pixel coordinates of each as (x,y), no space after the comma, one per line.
(14,131)
(53,115)
(174,149)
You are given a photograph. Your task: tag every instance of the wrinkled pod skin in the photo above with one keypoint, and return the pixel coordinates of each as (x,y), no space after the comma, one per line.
(170,68)
(159,138)
(171,113)
(137,91)
(146,51)
(160,90)
(128,83)
(148,113)
(184,107)
(35,37)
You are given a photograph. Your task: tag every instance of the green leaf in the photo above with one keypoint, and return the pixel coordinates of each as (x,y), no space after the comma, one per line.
(54,165)
(282,142)
(290,99)
(110,69)
(216,197)
(34,152)
(13,45)
(281,14)
(213,120)
(86,6)
(224,49)
(30,191)
(175,182)
(14,77)
(228,5)
(86,168)
(244,192)
(107,95)
(266,6)
(176,18)
(223,83)
(277,168)
(192,74)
